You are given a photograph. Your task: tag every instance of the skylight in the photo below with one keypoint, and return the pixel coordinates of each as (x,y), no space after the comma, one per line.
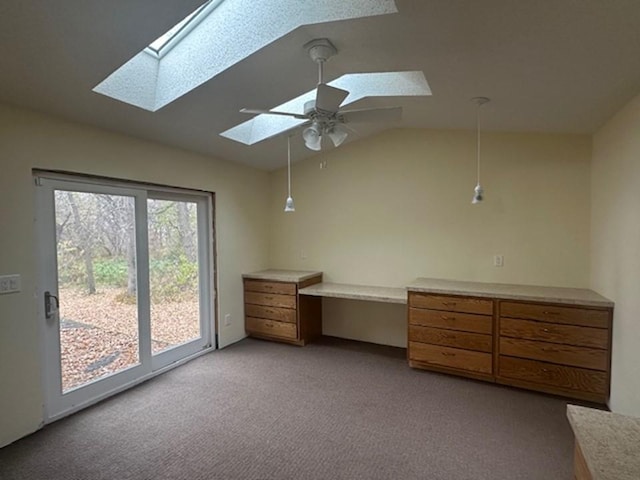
(202,46)
(163,43)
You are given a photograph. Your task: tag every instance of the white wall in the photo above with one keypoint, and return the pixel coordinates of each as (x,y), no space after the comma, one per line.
(397,206)
(29,140)
(615,254)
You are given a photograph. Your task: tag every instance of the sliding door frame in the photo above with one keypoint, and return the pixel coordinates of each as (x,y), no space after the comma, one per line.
(165,360)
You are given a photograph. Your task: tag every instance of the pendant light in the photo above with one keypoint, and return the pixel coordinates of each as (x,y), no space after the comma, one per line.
(478,192)
(288,206)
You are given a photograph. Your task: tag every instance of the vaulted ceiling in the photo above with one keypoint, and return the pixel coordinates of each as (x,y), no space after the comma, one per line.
(548,66)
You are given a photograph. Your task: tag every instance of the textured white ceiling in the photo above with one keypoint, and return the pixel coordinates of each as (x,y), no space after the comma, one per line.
(548,66)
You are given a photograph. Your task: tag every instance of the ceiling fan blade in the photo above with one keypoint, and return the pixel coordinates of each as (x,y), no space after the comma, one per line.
(389,114)
(271,112)
(329,98)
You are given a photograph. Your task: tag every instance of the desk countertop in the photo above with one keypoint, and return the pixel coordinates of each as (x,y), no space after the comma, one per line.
(610,442)
(282,275)
(357,292)
(575,296)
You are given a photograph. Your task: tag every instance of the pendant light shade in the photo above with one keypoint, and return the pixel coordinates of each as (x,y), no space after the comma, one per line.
(288,206)
(478,191)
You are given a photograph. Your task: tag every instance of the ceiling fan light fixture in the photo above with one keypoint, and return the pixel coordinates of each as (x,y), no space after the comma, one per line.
(338,134)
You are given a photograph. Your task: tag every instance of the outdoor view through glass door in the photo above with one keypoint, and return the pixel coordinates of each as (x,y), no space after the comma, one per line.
(126,285)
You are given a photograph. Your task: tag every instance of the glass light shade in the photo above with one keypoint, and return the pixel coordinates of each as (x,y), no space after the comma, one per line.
(312,137)
(478,195)
(288,206)
(338,134)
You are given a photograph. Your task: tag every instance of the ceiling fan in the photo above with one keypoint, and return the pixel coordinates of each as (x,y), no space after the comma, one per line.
(323,115)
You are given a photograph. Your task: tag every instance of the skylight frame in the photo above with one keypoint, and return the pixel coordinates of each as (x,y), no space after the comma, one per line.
(191,21)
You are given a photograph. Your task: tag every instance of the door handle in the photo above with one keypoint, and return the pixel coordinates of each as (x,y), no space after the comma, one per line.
(48,310)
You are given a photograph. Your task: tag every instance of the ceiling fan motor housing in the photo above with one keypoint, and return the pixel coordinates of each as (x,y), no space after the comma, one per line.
(320,50)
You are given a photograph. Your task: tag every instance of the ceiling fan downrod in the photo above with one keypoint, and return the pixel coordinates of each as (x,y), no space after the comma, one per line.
(320,50)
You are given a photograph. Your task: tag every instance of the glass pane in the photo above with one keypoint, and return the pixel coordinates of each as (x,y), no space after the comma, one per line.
(95,240)
(173,273)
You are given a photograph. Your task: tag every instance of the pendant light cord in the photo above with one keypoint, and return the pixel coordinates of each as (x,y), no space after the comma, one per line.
(289,163)
(478,140)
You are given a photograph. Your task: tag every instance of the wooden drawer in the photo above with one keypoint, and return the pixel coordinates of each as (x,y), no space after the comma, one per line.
(451,304)
(270,287)
(271,328)
(272,313)
(555,353)
(450,357)
(554,333)
(272,300)
(451,338)
(556,314)
(554,375)
(465,322)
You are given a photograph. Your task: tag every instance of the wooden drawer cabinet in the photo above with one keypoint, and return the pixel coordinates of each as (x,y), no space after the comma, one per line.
(451,334)
(559,349)
(275,311)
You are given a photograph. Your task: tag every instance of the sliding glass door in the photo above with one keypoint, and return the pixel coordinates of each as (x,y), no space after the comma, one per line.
(126,288)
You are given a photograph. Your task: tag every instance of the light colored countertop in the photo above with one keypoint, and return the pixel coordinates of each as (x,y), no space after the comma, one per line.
(575,296)
(610,442)
(357,292)
(282,275)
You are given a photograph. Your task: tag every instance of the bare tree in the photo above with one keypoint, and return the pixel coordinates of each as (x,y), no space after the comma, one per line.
(85,244)
(185,230)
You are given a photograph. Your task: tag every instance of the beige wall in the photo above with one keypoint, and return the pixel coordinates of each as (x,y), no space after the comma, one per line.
(29,140)
(615,253)
(397,206)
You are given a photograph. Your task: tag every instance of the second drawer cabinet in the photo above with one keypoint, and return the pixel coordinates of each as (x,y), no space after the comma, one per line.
(274,311)
(555,348)
(452,334)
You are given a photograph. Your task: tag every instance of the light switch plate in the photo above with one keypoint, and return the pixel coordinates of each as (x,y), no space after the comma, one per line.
(9,284)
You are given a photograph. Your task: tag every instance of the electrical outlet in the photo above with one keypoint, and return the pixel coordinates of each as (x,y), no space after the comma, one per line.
(303,254)
(227,320)
(9,284)
(498,260)
(323,165)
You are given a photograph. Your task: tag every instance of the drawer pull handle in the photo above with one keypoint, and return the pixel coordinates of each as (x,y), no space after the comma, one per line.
(545,330)
(449,304)
(447,354)
(548,312)
(444,317)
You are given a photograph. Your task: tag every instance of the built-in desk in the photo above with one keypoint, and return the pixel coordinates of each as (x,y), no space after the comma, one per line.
(554,340)
(357,292)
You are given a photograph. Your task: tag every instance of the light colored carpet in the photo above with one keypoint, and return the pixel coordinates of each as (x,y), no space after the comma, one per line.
(331,410)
